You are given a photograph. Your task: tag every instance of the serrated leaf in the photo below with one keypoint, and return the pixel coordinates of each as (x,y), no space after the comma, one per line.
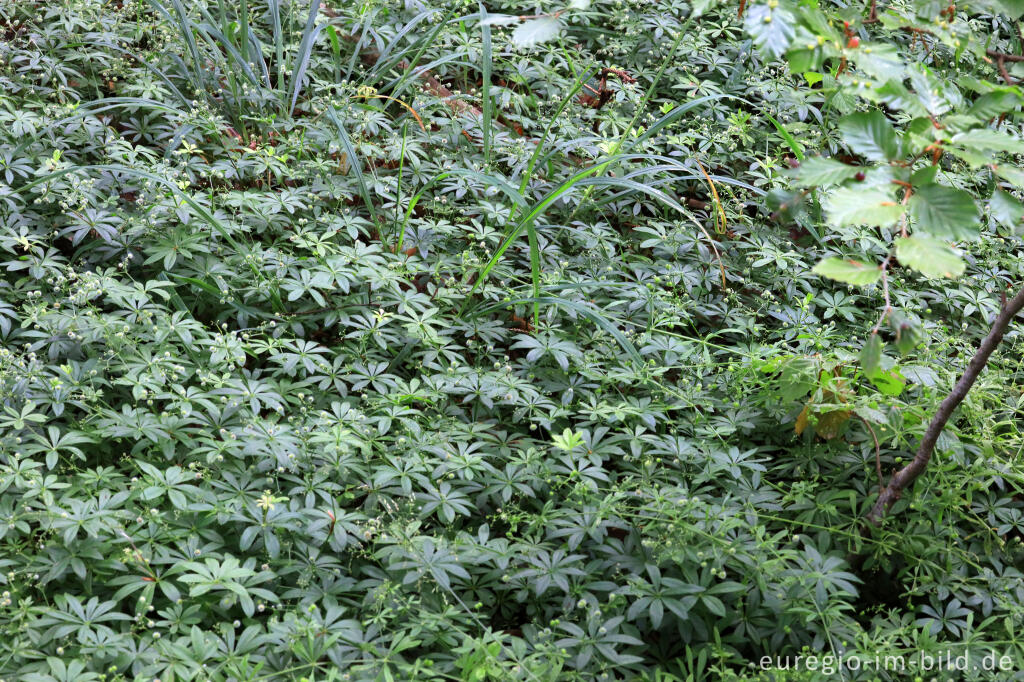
(1012,174)
(579,4)
(871,135)
(801,61)
(924,175)
(1012,8)
(945,212)
(871,355)
(771,29)
(871,206)
(499,20)
(993,104)
(895,95)
(972,158)
(784,201)
(931,257)
(889,382)
(1005,209)
(989,140)
(797,376)
(908,334)
(817,171)
(849,271)
(929,91)
(536,31)
(698,7)
(881,61)
(871,415)
(817,21)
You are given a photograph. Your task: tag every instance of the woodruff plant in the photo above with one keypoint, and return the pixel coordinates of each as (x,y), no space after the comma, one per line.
(362,341)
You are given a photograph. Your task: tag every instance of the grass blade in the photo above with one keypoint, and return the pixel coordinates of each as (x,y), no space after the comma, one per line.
(301,61)
(274,9)
(354,164)
(577,86)
(382,58)
(185,27)
(528,224)
(243,44)
(486,106)
(422,44)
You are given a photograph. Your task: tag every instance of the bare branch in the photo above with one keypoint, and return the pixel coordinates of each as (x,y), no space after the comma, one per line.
(908,474)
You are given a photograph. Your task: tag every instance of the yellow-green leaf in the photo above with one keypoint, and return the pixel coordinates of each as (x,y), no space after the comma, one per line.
(849,271)
(931,257)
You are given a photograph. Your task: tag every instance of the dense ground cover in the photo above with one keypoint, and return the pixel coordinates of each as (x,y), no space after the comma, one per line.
(518,341)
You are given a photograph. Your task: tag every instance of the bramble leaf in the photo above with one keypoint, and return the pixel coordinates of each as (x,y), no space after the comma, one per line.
(931,257)
(536,31)
(945,212)
(818,171)
(1006,209)
(772,28)
(871,354)
(871,135)
(870,206)
(849,271)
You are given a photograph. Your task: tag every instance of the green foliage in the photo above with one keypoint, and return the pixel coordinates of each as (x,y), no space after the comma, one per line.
(849,271)
(929,256)
(392,340)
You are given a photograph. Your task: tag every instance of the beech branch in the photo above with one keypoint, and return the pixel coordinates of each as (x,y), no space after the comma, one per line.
(908,474)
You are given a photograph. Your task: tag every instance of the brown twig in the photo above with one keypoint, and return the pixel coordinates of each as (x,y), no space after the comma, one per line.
(603,93)
(1005,56)
(1004,72)
(1001,59)
(908,474)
